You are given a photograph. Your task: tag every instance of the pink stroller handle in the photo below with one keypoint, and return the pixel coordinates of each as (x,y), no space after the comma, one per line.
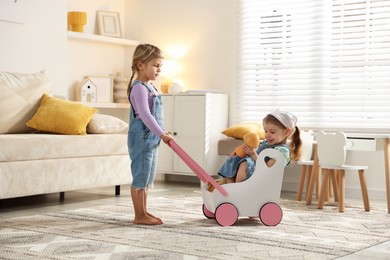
(199,171)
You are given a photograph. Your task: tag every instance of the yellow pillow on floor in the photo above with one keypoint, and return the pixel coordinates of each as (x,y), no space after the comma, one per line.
(61,116)
(238,131)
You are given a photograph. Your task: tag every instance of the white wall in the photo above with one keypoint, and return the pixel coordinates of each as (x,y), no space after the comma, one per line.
(94,59)
(90,7)
(39,43)
(203,34)
(205,30)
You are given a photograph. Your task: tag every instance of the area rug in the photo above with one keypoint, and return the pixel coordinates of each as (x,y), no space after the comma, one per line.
(107,232)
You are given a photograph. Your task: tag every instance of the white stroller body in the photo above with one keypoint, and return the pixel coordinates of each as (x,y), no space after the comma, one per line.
(257,196)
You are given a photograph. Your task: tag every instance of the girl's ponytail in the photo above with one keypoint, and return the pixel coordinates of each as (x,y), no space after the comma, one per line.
(295,145)
(129,86)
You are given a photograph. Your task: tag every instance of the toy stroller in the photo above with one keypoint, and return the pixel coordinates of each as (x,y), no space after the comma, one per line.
(257,196)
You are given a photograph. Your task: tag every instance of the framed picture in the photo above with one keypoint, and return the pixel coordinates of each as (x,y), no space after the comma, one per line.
(109,23)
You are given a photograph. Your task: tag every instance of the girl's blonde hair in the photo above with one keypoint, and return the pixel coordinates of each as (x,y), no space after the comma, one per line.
(296,142)
(143,53)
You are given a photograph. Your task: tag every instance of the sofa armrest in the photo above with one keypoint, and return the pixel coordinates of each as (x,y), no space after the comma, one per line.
(226,146)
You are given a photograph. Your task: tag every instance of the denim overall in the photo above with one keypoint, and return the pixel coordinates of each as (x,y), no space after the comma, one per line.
(143,145)
(230,167)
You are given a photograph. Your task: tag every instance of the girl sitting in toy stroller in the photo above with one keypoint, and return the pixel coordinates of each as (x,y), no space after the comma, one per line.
(279,126)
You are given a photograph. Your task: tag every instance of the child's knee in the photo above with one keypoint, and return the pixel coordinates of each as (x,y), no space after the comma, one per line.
(241,173)
(243,166)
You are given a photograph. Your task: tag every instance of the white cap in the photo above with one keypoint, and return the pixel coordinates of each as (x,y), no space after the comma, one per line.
(287,119)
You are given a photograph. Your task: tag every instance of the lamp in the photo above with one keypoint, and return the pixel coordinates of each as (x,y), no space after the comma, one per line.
(170,69)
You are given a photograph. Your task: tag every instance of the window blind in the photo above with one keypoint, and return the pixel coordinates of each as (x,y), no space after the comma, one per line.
(328,62)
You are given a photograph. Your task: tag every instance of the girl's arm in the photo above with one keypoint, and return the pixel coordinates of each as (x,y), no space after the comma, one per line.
(140,99)
(250,151)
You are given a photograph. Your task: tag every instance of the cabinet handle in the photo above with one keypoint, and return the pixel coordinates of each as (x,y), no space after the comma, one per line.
(174,133)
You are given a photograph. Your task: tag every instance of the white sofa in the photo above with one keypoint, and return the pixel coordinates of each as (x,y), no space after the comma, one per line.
(33,162)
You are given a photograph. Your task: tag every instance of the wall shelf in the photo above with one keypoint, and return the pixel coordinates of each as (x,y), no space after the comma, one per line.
(107,105)
(102,39)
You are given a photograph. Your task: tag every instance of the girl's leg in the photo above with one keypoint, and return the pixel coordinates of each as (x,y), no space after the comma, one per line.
(211,188)
(241,172)
(231,180)
(141,217)
(146,209)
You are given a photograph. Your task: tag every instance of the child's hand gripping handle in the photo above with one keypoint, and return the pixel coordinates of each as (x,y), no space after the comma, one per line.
(199,171)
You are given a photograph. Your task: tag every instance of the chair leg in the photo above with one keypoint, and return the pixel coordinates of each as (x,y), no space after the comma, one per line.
(335,185)
(341,190)
(318,185)
(329,189)
(301,182)
(324,187)
(309,171)
(313,178)
(331,172)
(363,187)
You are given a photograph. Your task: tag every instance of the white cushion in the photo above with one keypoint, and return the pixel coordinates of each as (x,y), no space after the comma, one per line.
(19,99)
(106,124)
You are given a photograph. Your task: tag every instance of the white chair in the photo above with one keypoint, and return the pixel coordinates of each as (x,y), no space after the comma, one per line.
(332,155)
(306,163)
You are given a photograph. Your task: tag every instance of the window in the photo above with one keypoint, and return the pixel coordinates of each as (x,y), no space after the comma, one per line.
(328,62)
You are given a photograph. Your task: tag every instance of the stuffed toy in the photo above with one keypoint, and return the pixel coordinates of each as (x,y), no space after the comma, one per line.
(251,139)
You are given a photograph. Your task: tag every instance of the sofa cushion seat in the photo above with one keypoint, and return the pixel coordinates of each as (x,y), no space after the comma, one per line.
(36,146)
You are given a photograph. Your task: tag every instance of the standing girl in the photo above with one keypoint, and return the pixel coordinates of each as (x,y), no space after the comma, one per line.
(278,126)
(146,128)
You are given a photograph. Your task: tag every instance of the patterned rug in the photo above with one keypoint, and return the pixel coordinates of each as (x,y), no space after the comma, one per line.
(107,232)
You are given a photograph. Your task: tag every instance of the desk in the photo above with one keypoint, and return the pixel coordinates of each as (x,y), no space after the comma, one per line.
(360,142)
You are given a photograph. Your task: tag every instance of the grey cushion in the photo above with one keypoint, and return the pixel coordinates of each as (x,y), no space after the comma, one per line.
(226,146)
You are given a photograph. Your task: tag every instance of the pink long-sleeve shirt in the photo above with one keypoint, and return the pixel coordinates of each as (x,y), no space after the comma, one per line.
(142,102)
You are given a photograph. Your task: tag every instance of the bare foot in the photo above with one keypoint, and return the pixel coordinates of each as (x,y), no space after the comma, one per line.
(147,220)
(157,218)
(211,188)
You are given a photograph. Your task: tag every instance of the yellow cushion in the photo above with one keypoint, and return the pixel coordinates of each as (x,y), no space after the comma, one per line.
(61,116)
(239,130)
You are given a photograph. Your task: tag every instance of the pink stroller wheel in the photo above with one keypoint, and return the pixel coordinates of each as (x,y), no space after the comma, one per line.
(226,214)
(207,213)
(271,214)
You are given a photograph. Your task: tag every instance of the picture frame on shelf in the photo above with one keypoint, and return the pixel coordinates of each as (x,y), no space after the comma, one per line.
(109,24)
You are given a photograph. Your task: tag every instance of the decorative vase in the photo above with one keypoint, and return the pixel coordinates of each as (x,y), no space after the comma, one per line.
(165,85)
(77,20)
(120,88)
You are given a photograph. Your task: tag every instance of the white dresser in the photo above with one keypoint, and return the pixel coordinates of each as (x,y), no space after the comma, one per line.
(196,122)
